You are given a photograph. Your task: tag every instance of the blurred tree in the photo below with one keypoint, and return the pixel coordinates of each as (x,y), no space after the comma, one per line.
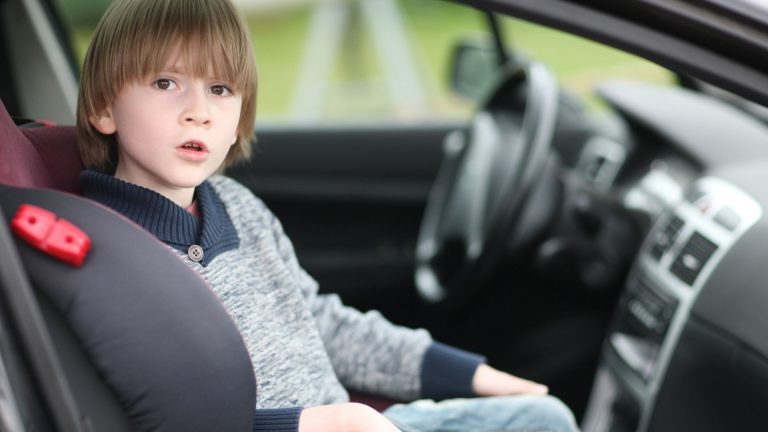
(82,12)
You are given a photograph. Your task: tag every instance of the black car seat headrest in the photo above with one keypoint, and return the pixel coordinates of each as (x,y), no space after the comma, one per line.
(149,327)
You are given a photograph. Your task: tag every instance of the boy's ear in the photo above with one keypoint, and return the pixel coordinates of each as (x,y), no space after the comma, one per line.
(104,122)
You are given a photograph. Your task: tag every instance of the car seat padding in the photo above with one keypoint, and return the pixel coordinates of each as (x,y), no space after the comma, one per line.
(153,330)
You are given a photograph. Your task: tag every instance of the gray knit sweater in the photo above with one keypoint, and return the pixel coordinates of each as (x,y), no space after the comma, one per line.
(308,340)
(305,347)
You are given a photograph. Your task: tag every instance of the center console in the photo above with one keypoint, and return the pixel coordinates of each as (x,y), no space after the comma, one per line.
(683,248)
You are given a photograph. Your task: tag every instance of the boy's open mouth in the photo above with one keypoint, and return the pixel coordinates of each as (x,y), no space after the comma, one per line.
(194,146)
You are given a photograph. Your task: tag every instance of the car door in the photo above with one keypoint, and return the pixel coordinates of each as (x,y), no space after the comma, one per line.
(351,199)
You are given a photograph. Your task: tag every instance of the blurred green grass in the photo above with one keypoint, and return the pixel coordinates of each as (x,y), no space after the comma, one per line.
(357,86)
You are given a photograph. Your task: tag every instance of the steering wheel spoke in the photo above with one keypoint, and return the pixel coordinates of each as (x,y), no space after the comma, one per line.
(484,183)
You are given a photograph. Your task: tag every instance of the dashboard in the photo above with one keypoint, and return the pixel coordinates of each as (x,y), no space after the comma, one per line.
(686,347)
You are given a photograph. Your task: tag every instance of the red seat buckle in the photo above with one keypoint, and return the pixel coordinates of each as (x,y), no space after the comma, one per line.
(56,237)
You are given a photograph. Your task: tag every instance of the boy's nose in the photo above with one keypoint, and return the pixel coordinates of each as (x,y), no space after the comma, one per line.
(196,111)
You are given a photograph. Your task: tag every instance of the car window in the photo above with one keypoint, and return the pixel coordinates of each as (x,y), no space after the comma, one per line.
(579,63)
(382,60)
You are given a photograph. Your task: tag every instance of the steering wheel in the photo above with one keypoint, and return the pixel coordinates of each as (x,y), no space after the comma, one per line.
(482,194)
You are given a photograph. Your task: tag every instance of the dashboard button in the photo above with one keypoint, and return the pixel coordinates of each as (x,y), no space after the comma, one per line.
(693,257)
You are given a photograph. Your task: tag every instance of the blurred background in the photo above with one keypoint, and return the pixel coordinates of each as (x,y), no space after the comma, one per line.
(341,61)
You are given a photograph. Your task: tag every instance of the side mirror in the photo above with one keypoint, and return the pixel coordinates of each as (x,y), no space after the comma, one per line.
(474,67)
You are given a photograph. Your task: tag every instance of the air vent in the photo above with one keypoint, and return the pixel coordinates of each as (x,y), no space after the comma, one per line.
(667,237)
(693,257)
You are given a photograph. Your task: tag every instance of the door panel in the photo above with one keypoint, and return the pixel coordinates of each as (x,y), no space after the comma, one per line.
(351,200)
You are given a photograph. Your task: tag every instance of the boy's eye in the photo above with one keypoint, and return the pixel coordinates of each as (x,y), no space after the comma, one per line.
(164,84)
(221,90)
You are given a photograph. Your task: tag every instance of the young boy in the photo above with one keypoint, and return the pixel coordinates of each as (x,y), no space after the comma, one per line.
(167,99)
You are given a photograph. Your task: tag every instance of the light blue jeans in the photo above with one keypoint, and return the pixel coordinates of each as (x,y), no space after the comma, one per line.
(487,414)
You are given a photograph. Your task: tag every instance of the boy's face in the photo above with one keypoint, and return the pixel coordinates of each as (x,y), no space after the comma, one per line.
(173,130)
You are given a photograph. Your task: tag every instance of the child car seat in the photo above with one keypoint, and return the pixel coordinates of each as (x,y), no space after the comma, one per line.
(130,340)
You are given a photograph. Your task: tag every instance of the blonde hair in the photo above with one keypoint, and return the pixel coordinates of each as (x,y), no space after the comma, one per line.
(135,39)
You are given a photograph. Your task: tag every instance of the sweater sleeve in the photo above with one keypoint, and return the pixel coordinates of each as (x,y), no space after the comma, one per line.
(372,355)
(277,420)
(447,372)
(367,352)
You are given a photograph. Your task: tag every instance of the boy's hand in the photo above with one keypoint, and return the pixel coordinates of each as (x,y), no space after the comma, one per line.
(344,417)
(493,382)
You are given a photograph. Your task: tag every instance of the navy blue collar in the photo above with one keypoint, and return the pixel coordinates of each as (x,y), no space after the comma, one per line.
(172,224)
